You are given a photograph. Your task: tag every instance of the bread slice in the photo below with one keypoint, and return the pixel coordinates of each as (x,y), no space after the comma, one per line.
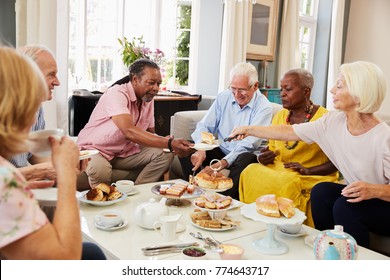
(267,205)
(286,206)
(207,138)
(114,195)
(95,195)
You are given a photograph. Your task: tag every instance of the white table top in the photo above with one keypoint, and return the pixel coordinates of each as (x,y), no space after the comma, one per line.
(126,243)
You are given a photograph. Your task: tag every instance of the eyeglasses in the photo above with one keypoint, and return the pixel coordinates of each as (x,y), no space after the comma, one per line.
(239,90)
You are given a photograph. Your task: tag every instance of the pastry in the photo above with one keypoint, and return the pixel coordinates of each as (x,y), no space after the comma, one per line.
(95,194)
(207,138)
(286,206)
(115,195)
(215,201)
(268,205)
(208,181)
(104,188)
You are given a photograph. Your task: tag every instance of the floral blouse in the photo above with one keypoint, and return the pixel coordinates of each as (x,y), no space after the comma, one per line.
(20,214)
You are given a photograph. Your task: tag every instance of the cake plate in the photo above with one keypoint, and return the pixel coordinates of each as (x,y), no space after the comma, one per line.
(182,201)
(269,245)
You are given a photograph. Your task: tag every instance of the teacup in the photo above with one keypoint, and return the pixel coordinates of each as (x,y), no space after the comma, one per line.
(109,218)
(167,225)
(38,141)
(291,228)
(124,186)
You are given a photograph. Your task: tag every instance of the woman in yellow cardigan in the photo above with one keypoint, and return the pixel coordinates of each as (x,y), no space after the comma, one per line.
(290,169)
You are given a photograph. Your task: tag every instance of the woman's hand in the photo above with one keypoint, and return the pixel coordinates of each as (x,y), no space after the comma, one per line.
(297,167)
(266,156)
(65,154)
(358,191)
(239,133)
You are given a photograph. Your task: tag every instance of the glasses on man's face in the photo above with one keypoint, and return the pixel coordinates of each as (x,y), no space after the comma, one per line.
(239,90)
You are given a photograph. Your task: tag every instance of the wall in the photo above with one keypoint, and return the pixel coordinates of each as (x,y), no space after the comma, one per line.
(7,22)
(368,39)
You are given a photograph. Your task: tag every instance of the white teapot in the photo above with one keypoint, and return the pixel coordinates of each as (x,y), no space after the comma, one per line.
(149,212)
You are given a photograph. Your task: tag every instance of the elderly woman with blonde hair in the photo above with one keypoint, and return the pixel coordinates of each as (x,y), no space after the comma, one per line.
(25,232)
(358,144)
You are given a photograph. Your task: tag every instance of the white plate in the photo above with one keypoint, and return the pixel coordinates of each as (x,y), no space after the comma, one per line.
(302,232)
(197,192)
(87,154)
(46,196)
(249,211)
(102,227)
(82,197)
(234,204)
(213,229)
(204,146)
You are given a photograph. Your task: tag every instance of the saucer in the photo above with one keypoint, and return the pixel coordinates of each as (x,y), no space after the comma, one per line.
(302,232)
(179,228)
(133,192)
(119,226)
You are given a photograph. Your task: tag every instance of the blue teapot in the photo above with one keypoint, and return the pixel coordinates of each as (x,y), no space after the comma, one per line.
(335,244)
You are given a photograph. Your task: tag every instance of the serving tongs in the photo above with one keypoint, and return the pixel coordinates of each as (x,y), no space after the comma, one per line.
(166,249)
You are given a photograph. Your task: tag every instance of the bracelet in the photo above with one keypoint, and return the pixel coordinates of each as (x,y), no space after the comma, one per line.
(170,144)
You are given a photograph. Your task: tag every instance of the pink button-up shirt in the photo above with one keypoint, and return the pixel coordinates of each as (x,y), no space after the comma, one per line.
(102,134)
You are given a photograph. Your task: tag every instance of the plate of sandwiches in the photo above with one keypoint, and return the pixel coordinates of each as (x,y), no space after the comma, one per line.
(102,195)
(177,190)
(203,220)
(207,143)
(215,202)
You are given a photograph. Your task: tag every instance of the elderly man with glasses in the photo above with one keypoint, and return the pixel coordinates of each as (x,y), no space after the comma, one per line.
(241,104)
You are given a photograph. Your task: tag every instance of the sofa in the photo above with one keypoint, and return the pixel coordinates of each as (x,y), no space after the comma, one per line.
(184,123)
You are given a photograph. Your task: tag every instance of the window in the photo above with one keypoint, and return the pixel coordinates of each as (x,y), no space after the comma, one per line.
(95,26)
(307,32)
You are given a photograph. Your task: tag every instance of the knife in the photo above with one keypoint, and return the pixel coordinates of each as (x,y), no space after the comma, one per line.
(174,246)
(228,139)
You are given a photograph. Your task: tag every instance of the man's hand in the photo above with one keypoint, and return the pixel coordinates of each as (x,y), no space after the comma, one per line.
(197,159)
(182,147)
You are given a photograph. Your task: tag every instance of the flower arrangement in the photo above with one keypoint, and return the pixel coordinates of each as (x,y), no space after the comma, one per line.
(135,49)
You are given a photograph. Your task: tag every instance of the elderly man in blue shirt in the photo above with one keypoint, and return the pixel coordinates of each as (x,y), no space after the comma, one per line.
(241,104)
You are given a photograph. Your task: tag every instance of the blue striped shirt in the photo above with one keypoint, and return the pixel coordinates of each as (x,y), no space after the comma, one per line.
(22,160)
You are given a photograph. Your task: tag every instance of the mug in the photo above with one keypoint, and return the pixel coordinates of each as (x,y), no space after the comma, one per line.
(167,225)
(109,218)
(38,141)
(124,186)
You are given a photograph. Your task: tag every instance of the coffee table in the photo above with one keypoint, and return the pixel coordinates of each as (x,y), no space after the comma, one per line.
(126,243)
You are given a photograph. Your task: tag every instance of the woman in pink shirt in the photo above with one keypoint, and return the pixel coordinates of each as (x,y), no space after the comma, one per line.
(358,144)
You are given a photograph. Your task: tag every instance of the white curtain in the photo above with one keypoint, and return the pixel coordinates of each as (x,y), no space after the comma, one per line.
(234,38)
(289,40)
(45,22)
(336,46)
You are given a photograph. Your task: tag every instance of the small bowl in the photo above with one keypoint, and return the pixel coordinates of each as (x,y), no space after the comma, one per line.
(231,252)
(194,253)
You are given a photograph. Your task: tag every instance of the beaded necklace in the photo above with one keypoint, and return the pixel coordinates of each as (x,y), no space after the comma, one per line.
(307,118)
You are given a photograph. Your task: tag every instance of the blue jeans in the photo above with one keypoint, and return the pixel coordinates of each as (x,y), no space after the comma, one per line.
(92,252)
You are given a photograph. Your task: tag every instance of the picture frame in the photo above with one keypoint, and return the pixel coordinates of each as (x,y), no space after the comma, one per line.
(262,23)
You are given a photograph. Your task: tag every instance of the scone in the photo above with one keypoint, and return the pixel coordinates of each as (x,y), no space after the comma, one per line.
(206,181)
(268,205)
(104,188)
(95,194)
(114,195)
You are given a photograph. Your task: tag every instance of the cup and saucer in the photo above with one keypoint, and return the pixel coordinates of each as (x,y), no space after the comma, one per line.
(126,186)
(292,230)
(110,220)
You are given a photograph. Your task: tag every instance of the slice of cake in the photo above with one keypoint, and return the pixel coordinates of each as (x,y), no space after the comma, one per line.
(268,205)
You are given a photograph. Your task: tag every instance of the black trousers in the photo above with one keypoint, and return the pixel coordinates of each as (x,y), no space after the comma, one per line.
(330,208)
(242,161)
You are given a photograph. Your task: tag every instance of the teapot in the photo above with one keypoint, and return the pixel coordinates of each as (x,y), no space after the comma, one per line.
(149,212)
(335,245)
